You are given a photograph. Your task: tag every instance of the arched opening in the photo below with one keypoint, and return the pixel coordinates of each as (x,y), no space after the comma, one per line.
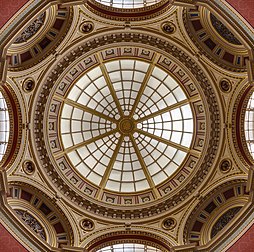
(129,247)
(4,124)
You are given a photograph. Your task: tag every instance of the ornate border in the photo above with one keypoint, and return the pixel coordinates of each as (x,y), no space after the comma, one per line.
(133,14)
(206,199)
(225,47)
(15,126)
(54,43)
(36,193)
(168,201)
(62,87)
(238,118)
(118,237)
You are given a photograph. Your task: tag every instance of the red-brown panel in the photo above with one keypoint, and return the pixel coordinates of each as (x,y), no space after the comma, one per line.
(8,8)
(245,8)
(245,243)
(8,243)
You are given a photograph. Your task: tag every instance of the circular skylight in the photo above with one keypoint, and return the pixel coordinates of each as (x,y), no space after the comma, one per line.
(129,247)
(128,4)
(249,125)
(4,126)
(126,125)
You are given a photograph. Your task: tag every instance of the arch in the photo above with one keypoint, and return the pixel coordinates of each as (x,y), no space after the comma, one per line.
(12,125)
(133,235)
(201,221)
(41,217)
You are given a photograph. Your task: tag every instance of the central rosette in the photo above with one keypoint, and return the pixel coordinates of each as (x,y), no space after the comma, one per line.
(126,126)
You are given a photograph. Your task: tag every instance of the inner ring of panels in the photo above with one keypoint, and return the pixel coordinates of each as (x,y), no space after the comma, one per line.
(128,4)
(126,125)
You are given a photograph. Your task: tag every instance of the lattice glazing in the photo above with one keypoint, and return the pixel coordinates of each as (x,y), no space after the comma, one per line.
(129,247)
(249,125)
(126,125)
(4,126)
(128,4)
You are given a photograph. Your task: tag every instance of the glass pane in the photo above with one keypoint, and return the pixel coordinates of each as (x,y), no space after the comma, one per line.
(4,126)
(128,3)
(129,247)
(249,125)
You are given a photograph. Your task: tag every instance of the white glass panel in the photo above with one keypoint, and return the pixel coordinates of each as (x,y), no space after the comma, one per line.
(127,187)
(113,185)
(158,178)
(67,140)
(95,178)
(65,125)
(74,157)
(67,110)
(83,169)
(141,185)
(74,93)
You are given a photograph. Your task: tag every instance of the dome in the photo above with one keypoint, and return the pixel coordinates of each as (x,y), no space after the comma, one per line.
(126,126)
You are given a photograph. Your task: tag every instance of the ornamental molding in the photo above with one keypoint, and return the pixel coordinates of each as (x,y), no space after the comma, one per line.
(190,218)
(128,14)
(238,117)
(138,234)
(31,29)
(15,116)
(109,41)
(202,33)
(42,198)
(23,56)
(20,234)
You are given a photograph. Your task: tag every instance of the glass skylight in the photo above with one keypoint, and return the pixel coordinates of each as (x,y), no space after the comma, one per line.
(4,126)
(128,4)
(249,125)
(129,247)
(126,126)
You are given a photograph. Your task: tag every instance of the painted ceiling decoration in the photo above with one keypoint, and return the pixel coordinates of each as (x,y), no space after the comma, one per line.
(40,38)
(32,29)
(214,39)
(126,126)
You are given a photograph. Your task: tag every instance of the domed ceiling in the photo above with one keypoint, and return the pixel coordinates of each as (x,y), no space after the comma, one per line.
(127,126)
(118,122)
